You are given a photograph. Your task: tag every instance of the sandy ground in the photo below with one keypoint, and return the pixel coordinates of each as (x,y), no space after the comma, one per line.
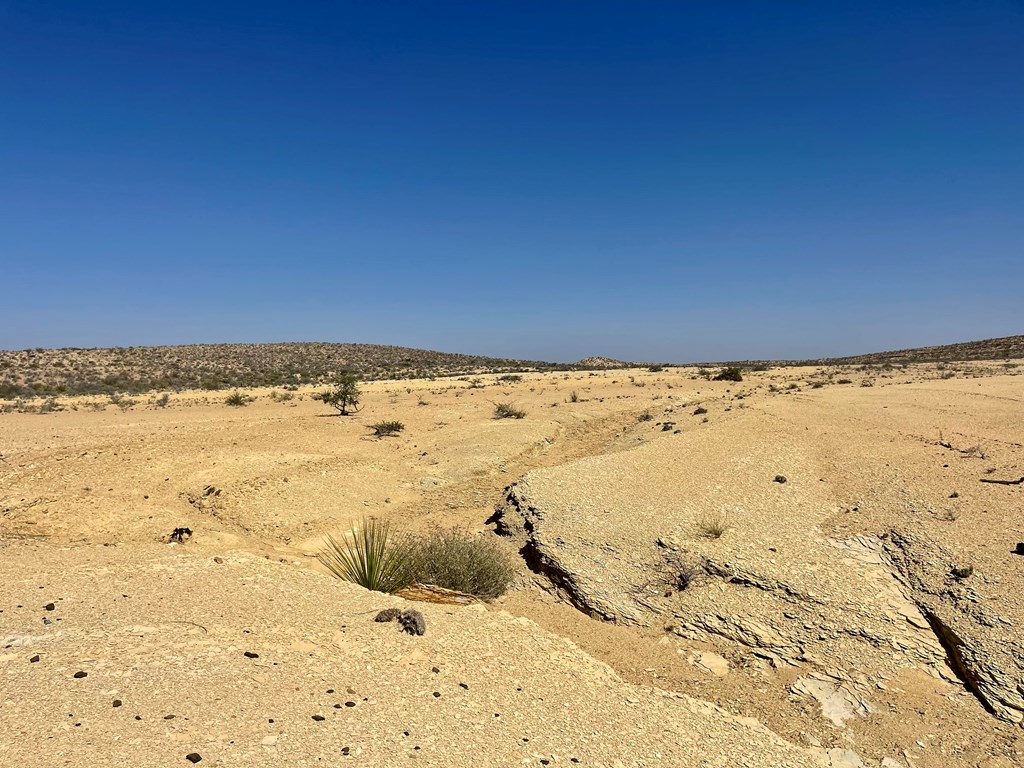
(87,496)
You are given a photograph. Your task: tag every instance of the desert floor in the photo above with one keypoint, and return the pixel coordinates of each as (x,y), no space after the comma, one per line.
(868,608)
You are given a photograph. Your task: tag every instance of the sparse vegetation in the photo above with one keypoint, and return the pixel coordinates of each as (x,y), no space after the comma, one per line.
(574,397)
(387,428)
(732,373)
(236,399)
(713,526)
(508,411)
(459,560)
(345,395)
(368,556)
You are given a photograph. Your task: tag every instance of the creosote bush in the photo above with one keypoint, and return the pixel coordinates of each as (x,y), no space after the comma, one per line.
(508,411)
(459,560)
(387,428)
(732,373)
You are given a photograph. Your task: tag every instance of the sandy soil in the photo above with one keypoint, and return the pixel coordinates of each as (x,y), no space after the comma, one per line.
(88,496)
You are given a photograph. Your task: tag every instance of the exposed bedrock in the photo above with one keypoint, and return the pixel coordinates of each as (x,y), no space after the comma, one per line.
(632,538)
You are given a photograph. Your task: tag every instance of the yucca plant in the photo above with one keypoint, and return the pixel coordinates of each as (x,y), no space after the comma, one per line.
(369,557)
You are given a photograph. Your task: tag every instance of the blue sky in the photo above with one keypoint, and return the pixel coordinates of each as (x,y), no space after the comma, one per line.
(651,181)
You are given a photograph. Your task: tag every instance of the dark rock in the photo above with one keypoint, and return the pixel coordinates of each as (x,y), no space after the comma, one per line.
(180,535)
(80,675)
(251,655)
(49,607)
(193,757)
(319,718)
(116,703)
(780,478)
(34,659)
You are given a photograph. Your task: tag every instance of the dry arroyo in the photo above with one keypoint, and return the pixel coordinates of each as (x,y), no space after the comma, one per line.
(813,567)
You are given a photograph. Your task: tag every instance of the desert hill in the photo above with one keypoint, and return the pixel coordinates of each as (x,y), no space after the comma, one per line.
(74,371)
(71,371)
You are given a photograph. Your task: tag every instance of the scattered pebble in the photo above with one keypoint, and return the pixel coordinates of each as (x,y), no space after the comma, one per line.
(193,757)
(79,675)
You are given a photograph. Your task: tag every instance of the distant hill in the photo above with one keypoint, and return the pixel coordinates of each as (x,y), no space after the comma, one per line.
(600,362)
(1006,347)
(34,372)
(1003,348)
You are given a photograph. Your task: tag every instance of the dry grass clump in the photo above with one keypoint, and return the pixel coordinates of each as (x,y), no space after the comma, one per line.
(713,526)
(458,560)
(387,428)
(508,411)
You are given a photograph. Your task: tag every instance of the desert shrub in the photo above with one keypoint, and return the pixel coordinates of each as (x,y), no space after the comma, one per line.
(713,526)
(655,368)
(844,381)
(344,397)
(685,574)
(512,378)
(163,400)
(732,373)
(645,416)
(368,556)
(456,559)
(508,411)
(387,428)
(700,411)
(236,399)
(574,397)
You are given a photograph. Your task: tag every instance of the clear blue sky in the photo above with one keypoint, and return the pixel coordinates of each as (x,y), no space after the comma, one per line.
(652,181)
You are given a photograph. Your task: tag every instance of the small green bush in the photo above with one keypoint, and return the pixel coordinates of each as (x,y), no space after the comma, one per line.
(508,411)
(344,398)
(459,560)
(511,378)
(732,373)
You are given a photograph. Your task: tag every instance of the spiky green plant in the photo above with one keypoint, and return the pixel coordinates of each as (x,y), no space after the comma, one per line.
(368,556)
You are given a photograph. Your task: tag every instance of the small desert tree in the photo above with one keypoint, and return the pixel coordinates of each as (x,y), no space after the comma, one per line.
(344,396)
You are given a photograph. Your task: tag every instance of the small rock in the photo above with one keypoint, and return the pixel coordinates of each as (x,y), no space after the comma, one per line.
(269,741)
(49,607)
(193,757)
(780,478)
(251,655)
(319,718)
(116,703)
(80,675)
(34,659)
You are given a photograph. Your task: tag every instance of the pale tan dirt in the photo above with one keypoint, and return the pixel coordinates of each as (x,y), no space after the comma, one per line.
(86,496)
